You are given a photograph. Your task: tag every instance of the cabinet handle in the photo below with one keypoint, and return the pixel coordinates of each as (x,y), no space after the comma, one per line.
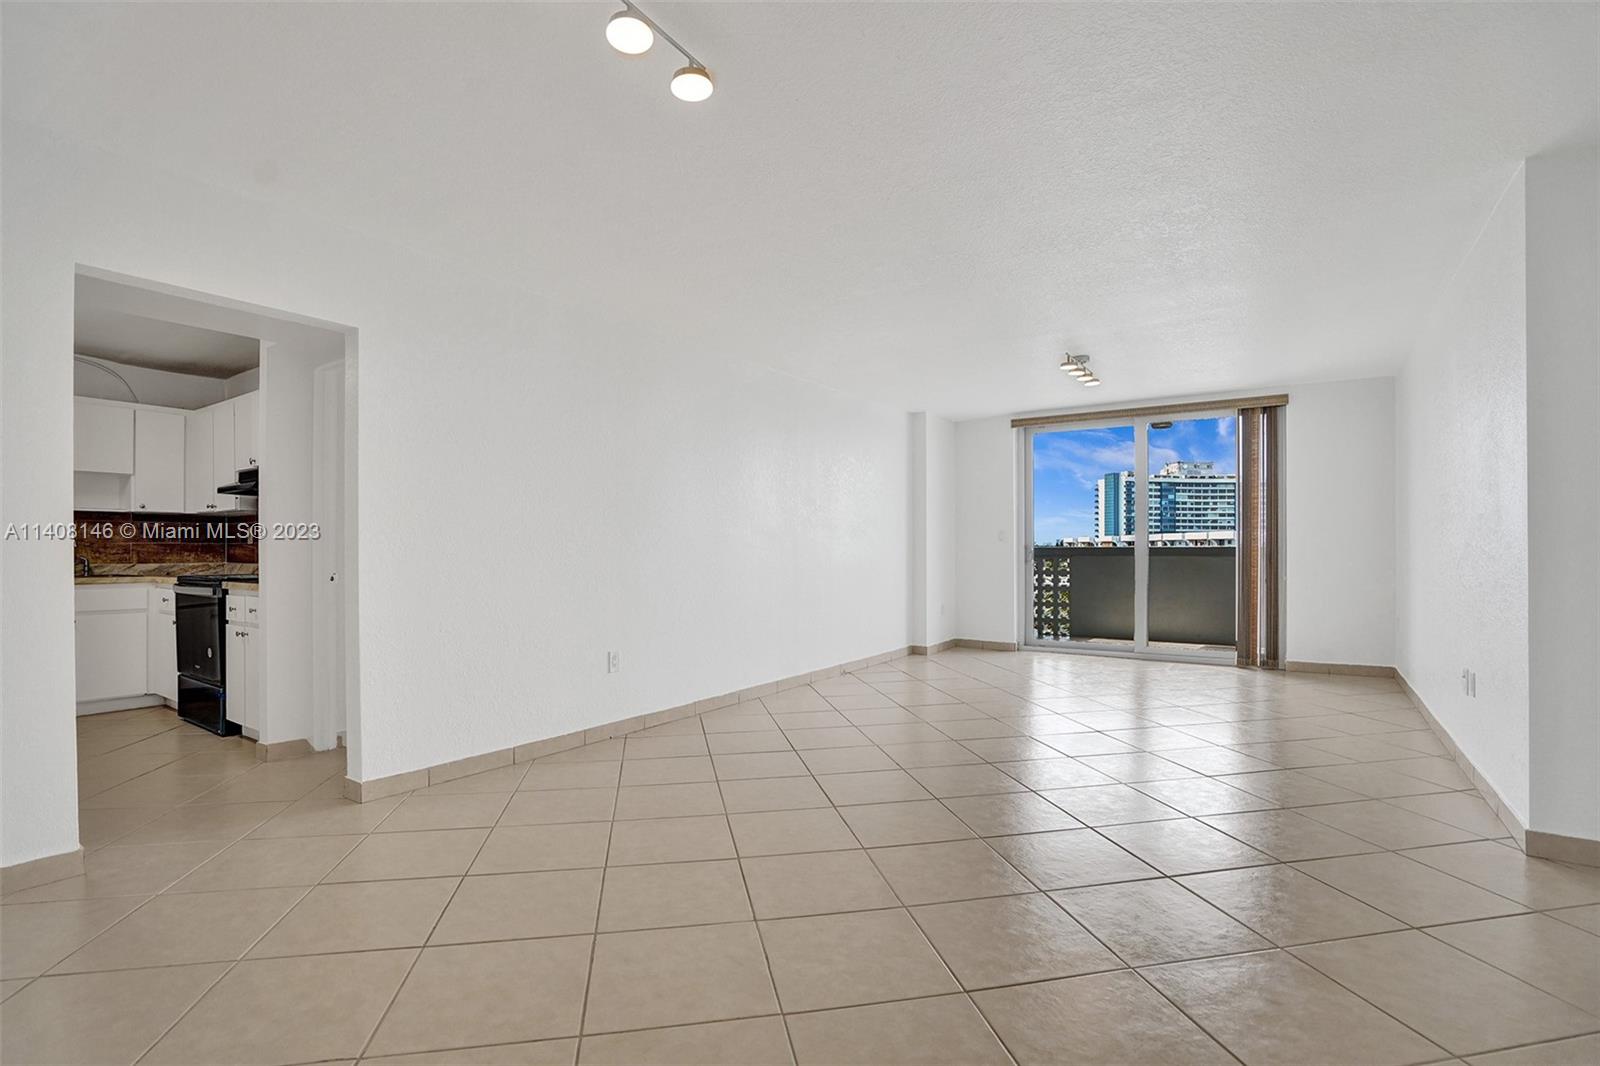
(141,507)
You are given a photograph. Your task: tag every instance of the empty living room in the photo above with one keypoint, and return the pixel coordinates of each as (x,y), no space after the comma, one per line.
(800,533)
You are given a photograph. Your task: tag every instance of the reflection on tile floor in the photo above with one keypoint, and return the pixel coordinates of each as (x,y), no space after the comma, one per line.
(974,857)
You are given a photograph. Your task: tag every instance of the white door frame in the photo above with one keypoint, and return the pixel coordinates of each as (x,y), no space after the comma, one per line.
(327,501)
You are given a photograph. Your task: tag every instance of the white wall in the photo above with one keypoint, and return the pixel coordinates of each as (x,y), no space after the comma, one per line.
(1462,505)
(986,518)
(1563,493)
(932,603)
(1338,548)
(160,387)
(1338,523)
(538,485)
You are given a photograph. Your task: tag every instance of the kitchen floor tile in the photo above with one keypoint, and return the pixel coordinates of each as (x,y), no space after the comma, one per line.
(943,1029)
(520,905)
(299,1010)
(1272,1008)
(1102,1018)
(784,886)
(668,801)
(786,832)
(1011,940)
(556,805)
(1461,1004)
(688,893)
(465,811)
(36,936)
(362,916)
(771,794)
(1184,846)
(525,848)
(1010,813)
(873,786)
(1287,906)
(1414,893)
(98,1017)
(459,995)
(1547,954)
(670,840)
(1148,922)
(745,1042)
(939,873)
(1070,859)
(677,977)
(843,960)
(185,927)
(270,863)
(438,853)
(917,822)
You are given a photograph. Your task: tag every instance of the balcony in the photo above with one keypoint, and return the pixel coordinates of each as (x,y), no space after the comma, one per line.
(1086,594)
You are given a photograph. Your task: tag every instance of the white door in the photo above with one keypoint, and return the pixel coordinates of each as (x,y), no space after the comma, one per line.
(199,484)
(158,461)
(327,555)
(246,430)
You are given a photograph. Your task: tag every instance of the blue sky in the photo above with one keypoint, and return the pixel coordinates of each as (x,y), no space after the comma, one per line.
(1067,464)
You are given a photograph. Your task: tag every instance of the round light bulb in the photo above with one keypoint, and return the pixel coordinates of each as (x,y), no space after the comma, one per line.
(629,34)
(692,84)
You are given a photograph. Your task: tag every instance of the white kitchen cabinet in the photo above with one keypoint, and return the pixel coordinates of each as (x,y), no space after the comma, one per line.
(223,467)
(112,641)
(243,665)
(246,430)
(199,456)
(162,641)
(158,460)
(102,438)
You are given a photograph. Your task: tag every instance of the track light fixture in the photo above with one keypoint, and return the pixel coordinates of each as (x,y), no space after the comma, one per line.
(1077,367)
(632,32)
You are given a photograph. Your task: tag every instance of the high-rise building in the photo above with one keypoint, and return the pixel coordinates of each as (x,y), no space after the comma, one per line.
(1183,497)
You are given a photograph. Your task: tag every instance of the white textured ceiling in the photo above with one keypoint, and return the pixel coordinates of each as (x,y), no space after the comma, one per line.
(918,203)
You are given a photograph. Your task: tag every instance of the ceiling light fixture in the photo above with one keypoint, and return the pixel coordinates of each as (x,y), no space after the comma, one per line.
(1078,367)
(632,32)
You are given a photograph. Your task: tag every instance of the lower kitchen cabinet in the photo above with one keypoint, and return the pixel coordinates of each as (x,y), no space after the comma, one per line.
(112,642)
(243,664)
(162,641)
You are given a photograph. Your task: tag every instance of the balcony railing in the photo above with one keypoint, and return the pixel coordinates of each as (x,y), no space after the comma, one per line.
(1083,593)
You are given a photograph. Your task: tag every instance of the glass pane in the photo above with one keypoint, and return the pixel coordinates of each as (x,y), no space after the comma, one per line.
(1083,528)
(1192,508)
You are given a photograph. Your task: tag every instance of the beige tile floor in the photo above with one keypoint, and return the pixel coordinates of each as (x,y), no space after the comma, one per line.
(974,857)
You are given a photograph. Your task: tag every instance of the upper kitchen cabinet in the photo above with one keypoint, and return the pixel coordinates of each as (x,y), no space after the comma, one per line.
(199,480)
(220,440)
(246,430)
(158,460)
(102,438)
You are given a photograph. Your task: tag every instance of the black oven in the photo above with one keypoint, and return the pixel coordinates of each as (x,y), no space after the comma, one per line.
(201,612)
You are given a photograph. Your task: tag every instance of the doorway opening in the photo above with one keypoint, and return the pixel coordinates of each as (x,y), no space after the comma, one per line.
(223,472)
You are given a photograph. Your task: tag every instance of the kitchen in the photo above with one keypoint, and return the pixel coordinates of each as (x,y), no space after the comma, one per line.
(179,405)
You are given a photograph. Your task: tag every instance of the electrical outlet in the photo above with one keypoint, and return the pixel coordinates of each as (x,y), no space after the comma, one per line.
(613,661)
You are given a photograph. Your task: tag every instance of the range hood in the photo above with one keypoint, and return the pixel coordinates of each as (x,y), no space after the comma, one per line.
(244,486)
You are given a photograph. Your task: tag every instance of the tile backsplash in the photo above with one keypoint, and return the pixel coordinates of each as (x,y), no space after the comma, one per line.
(122,542)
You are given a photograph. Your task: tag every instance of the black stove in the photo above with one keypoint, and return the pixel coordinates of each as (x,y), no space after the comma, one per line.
(201,615)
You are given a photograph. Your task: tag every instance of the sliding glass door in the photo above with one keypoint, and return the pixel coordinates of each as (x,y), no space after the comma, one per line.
(1131,544)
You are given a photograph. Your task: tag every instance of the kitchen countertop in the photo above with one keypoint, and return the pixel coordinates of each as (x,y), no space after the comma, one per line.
(166,580)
